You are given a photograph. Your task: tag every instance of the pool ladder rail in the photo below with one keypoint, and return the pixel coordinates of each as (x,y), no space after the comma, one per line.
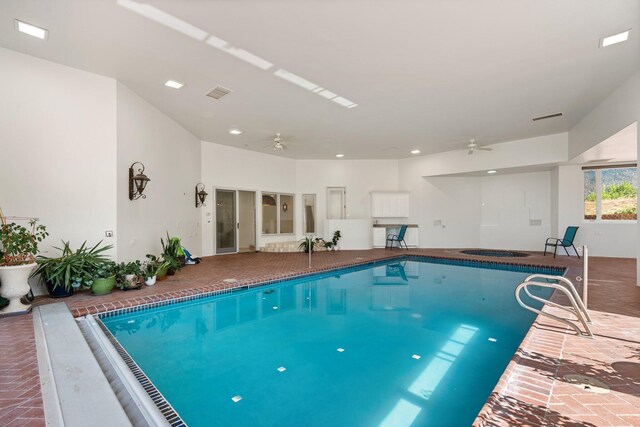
(577,306)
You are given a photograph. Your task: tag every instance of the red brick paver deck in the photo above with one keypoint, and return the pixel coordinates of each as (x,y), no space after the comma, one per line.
(532,392)
(20,397)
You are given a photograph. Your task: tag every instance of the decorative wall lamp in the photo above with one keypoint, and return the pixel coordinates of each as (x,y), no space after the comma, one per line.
(201,195)
(137,182)
(285,207)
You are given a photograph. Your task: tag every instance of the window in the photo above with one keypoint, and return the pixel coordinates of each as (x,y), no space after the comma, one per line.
(611,193)
(309,214)
(277,213)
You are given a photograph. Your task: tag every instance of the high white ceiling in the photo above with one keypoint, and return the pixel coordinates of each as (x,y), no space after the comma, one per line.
(425,74)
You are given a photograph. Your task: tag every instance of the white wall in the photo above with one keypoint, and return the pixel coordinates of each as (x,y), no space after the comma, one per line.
(615,113)
(611,238)
(555,200)
(233,168)
(359,177)
(509,203)
(58,148)
(542,150)
(447,211)
(171,156)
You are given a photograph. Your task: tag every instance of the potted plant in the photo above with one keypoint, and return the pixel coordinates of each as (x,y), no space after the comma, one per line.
(160,265)
(71,269)
(149,270)
(128,275)
(171,254)
(18,248)
(307,243)
(336,238)
(104,278)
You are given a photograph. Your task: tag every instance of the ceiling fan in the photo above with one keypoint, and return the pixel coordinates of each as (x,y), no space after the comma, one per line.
(472,146)
(278,143)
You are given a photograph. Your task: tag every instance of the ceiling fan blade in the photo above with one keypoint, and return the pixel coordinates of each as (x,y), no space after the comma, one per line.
(485,149)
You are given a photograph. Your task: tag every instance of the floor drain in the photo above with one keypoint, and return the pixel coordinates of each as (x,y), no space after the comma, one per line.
(590,384)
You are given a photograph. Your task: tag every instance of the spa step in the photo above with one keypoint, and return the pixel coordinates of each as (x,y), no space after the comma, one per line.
(281,247)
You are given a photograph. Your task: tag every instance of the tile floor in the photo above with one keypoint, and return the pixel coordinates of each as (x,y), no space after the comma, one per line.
(532,392)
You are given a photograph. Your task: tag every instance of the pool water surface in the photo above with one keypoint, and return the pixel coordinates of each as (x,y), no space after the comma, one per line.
(400,343)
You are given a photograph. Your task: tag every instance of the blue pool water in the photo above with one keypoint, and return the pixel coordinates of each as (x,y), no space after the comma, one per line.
(394,344)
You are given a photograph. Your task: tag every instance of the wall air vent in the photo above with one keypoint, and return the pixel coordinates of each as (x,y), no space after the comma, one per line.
(218,92)
(550,116)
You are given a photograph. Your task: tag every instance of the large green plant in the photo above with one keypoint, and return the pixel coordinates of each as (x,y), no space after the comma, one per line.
(72,269)
(171,250)
(19,244)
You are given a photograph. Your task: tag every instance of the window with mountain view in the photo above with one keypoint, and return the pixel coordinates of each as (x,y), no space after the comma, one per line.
(611,194)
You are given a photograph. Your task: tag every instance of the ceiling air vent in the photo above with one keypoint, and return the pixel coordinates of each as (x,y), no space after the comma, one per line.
(218,92)
(550,116)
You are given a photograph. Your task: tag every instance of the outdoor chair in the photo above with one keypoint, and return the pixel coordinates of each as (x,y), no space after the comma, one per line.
(565,242)
(397,270)
(391,238)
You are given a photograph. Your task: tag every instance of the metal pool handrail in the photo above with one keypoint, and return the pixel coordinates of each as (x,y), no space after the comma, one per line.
(578,309)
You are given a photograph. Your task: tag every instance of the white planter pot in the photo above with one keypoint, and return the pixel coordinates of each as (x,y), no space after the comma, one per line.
(150,281)
(14,284)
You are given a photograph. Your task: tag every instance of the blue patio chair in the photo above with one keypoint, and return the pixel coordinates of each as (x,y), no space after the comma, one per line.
(391,238)
(397,270)
(565,242)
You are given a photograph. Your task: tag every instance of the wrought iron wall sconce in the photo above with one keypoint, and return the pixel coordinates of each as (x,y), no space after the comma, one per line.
(201,195)
(285,207)
(137,182)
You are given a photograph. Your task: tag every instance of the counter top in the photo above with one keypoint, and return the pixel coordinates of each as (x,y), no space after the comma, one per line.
(394,225)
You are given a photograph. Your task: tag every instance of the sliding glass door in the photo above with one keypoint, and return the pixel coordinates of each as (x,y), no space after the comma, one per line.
(226,221)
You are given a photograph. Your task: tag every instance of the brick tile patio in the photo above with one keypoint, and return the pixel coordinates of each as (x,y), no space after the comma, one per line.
(533,391)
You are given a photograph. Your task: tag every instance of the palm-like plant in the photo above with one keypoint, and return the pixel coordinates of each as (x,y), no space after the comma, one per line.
(171,251)
(72,269)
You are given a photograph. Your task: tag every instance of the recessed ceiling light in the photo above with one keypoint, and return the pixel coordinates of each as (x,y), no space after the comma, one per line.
(492,171)
(32,30)
(339,155)
(415,151)
(616,38)
(174,84)
(235,131)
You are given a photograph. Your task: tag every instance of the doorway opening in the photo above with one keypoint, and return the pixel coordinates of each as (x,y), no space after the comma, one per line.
(336,203)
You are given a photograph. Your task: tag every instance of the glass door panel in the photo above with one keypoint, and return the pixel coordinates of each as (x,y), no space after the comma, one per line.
(225,221)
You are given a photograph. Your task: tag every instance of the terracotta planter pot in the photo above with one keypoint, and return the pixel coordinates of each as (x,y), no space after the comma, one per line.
(14,285)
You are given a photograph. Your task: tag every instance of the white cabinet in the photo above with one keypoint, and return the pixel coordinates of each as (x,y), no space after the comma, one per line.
(389,205)
(379,237)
